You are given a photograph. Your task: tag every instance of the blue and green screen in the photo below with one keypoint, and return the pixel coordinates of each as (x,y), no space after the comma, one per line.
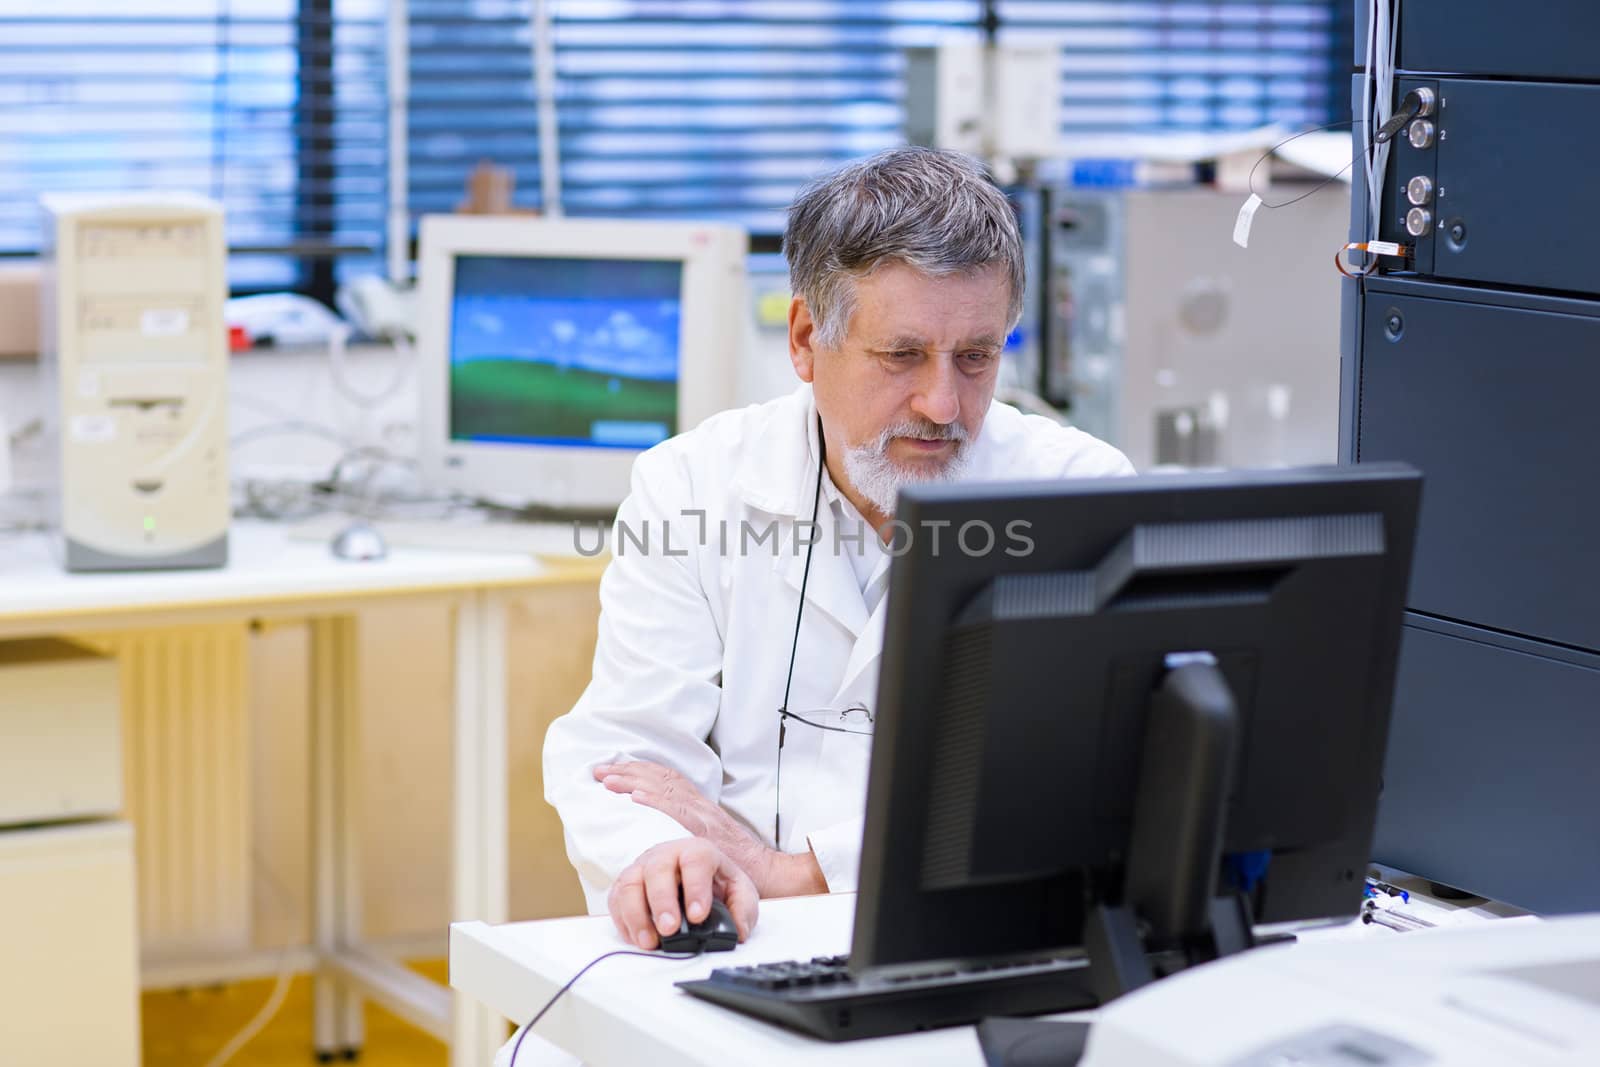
(579,352)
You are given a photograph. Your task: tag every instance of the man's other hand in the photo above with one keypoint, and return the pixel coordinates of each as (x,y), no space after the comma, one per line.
(644,898)
(776,874)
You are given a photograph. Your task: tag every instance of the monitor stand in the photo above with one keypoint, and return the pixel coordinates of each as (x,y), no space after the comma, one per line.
(1169,916)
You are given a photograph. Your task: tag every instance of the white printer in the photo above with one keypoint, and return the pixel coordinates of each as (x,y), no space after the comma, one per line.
(1506,993)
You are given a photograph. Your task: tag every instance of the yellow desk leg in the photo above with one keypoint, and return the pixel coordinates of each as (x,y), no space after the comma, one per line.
(335,770)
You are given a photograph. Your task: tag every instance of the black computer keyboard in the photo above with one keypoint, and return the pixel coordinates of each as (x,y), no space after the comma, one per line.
(822,998)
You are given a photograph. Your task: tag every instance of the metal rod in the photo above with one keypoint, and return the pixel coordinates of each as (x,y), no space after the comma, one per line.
(544,81)
(398,245)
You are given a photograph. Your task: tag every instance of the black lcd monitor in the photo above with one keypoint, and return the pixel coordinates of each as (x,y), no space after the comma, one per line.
(1108,707)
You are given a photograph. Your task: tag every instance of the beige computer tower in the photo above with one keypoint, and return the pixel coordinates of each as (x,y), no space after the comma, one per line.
(69,990)
(135,351)
(1179,347)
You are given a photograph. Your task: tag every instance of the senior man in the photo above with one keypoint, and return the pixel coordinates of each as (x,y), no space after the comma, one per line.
(907,271)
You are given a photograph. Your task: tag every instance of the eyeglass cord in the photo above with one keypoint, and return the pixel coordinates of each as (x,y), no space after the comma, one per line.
(794,646)
(797,717)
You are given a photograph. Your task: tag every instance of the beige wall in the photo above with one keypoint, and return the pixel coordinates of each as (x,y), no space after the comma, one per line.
(406,690)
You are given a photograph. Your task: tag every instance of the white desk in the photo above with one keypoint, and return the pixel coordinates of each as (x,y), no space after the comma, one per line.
(271,577)
(627,1011)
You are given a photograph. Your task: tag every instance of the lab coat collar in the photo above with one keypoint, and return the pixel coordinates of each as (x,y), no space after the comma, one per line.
(866,652)
(780,477)
(778,474)
(832,585)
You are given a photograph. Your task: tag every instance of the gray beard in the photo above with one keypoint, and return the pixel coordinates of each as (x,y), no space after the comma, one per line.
(878,478)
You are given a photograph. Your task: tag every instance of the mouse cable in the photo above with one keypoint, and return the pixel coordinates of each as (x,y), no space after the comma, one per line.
(616,952)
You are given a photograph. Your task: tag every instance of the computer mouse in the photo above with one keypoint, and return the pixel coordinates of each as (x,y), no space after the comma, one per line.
(715,933)
(359,541)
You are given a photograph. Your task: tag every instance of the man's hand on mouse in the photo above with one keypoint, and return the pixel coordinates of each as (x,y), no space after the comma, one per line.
(644,898)
(776,874)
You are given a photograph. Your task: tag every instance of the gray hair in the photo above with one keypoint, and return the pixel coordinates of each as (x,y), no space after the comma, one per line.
(935,211)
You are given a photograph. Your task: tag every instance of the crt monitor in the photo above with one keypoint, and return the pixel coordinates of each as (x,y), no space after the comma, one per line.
(553,351)
(1104,702)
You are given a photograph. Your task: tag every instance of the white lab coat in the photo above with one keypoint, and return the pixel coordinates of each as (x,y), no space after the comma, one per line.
(695,635)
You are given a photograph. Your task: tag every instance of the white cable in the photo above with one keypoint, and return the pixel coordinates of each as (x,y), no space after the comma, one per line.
(1382,43)
(1377,100)
(262,1017)
(544,82)
(338,343)
(1384,106)
(280,989)
(1368,90)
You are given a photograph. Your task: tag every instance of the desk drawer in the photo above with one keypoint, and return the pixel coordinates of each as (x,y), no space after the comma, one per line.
(1489,782)
(69,990)
(1512,199)
(1496,399)
(60,733)
(1551,39)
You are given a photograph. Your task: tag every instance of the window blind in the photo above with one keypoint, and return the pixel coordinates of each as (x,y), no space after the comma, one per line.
(1166,66)
(667,108)
(273,107)
(471,98)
